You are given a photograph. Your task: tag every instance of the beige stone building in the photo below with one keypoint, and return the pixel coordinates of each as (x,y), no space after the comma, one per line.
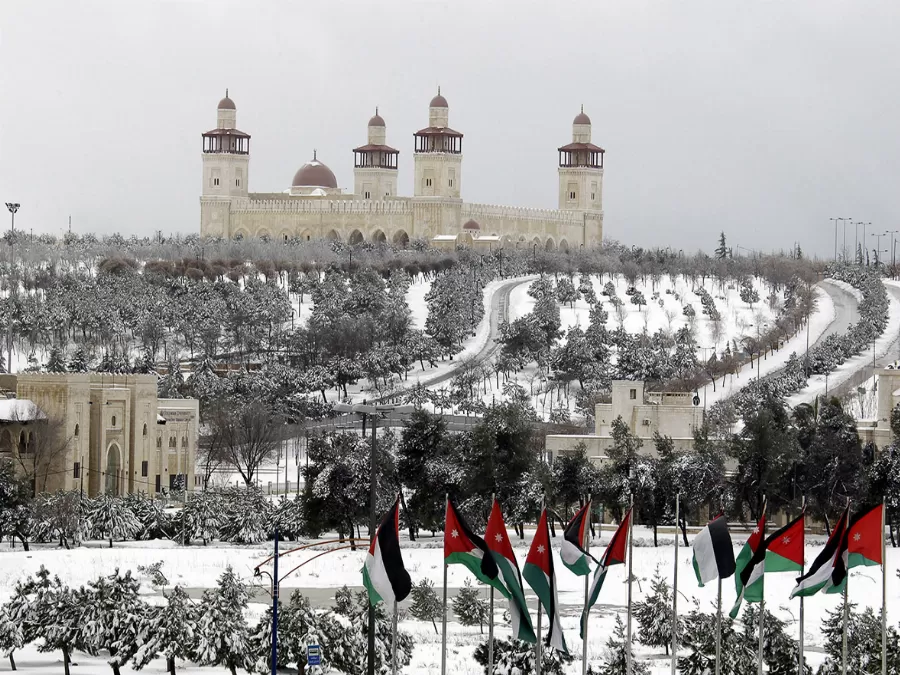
(117,437)
(878,431)
(314,207)
(671,414)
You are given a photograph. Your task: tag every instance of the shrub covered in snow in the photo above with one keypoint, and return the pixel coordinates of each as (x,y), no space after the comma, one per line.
(512,657)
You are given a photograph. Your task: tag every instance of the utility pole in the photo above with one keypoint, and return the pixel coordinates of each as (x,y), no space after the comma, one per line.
(13,207)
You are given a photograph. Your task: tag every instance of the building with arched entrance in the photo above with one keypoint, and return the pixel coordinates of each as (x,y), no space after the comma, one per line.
(116,436)
(315,207)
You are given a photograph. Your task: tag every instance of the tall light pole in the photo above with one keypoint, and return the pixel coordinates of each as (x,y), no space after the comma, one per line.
(844,249)
(835,221)
(373,412)
(13,207)
(855,237)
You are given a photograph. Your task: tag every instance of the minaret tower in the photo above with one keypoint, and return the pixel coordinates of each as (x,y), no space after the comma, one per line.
(438,156)
(226,155)
(375,164)
(581,170)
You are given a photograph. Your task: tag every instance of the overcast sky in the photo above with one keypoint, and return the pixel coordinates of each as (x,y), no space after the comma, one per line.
(763,118)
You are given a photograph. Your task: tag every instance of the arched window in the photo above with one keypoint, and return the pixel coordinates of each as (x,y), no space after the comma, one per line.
(145,430)
(159,441)
(113,425)
(77,429)
(184,441)
(23,443)
(173,442)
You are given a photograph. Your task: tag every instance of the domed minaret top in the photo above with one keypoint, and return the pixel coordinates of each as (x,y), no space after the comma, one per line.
(438,136)
(438,111)
(226,138)
(376,154)
(581,151)
(581,128)
(226,113)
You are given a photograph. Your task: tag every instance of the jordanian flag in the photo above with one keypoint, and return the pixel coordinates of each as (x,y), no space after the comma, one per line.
(614,555)
(746,564)
(572,552)
(510,578)
(782,551)
(713,552)
(828,569)
(541,577)
(464,547)
(865,539)
(384,575)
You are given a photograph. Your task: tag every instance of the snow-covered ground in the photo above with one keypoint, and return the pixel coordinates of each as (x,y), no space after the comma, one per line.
(198,567)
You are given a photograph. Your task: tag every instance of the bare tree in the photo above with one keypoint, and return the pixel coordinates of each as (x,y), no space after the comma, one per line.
(212,453)
(42,444)
(250,435)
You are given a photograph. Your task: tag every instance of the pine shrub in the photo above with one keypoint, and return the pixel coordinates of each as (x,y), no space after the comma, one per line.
(469,608)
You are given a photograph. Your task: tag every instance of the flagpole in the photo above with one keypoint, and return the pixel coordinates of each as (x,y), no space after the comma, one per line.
(802,570)
(394,640)
(719,629)
(491,622)
(537,647)
(628,664)
(444,613)
(846,604)
(675,587)
(883,591)
(587,547)
(762,599)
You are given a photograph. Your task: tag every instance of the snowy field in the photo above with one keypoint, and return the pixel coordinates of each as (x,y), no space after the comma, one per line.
(198,567)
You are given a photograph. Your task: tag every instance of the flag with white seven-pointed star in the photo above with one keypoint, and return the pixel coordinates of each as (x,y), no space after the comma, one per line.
(464,547)
(541,576)
(498,542)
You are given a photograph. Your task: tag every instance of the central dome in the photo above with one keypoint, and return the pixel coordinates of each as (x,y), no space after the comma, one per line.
(581,118)
(471,225)
(226,103)
(377,120)
(314,174)
(438,101)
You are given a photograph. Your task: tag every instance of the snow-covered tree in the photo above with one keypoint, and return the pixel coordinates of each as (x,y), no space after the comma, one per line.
(863,643)
(426,606)
(11,636)
(55,361)
(349,654)
(201,517)
(512,657)
(699,641)
(246,515)
(566,292)
(748,293)
(110,518)
(654,614)
(79,362)
(170,631)
(615,655)
(113,618)
(222,632)
(469,607)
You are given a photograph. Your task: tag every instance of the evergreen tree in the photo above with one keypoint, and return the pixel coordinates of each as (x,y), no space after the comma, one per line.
(352,651)
(78,363)
(222,632)
(780,651)
(748,293)
(863,643)
(566,292)
(722,248)
(111,519)
(426,606)
(114,618)
(55,361)
(615,659)
(11,636)
(469,608)
(654,614)
(244,518)
(512,657)
(16,505)
(170,631)
(699,640)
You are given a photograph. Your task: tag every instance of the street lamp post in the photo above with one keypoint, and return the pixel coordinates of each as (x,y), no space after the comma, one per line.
(372,412)
(13,207)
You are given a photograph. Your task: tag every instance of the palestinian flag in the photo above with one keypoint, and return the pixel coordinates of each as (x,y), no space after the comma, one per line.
(828,565)
(384,575)
(614,555)
(509,581)
(865,538)
(464,547)
(782,551)
(572,552)
(541,577)
(713,552)
(745,566)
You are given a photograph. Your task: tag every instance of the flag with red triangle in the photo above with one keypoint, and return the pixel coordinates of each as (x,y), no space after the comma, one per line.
(865,539)
(828,570)
(613,555)
(541,576)
(497,540)
(744,567)
(464,547)
(572,551)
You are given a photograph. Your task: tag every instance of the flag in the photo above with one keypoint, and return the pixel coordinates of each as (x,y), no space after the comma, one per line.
(572,552)
(745,567)
(613,555)
(825,566)
(864,538)
(713,553)
(509,577)
(782,551)
(384,575)
(540,575)
(464,547)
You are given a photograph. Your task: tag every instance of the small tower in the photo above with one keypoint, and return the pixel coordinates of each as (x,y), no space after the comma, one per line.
(226,155)
(375,164)
(581,169)
(438,156)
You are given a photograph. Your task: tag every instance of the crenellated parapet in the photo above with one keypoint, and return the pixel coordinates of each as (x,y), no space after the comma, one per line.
(398,206)
(494,211)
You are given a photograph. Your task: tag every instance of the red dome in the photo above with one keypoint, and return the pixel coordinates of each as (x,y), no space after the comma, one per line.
(377,120)
(471,225)
(438,101)
(314,174)
(226,103)
(581,118)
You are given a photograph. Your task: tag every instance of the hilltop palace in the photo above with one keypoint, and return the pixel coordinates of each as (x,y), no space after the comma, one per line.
(314,207)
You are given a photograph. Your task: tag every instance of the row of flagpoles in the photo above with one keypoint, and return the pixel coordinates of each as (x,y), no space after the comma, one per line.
(854,542)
